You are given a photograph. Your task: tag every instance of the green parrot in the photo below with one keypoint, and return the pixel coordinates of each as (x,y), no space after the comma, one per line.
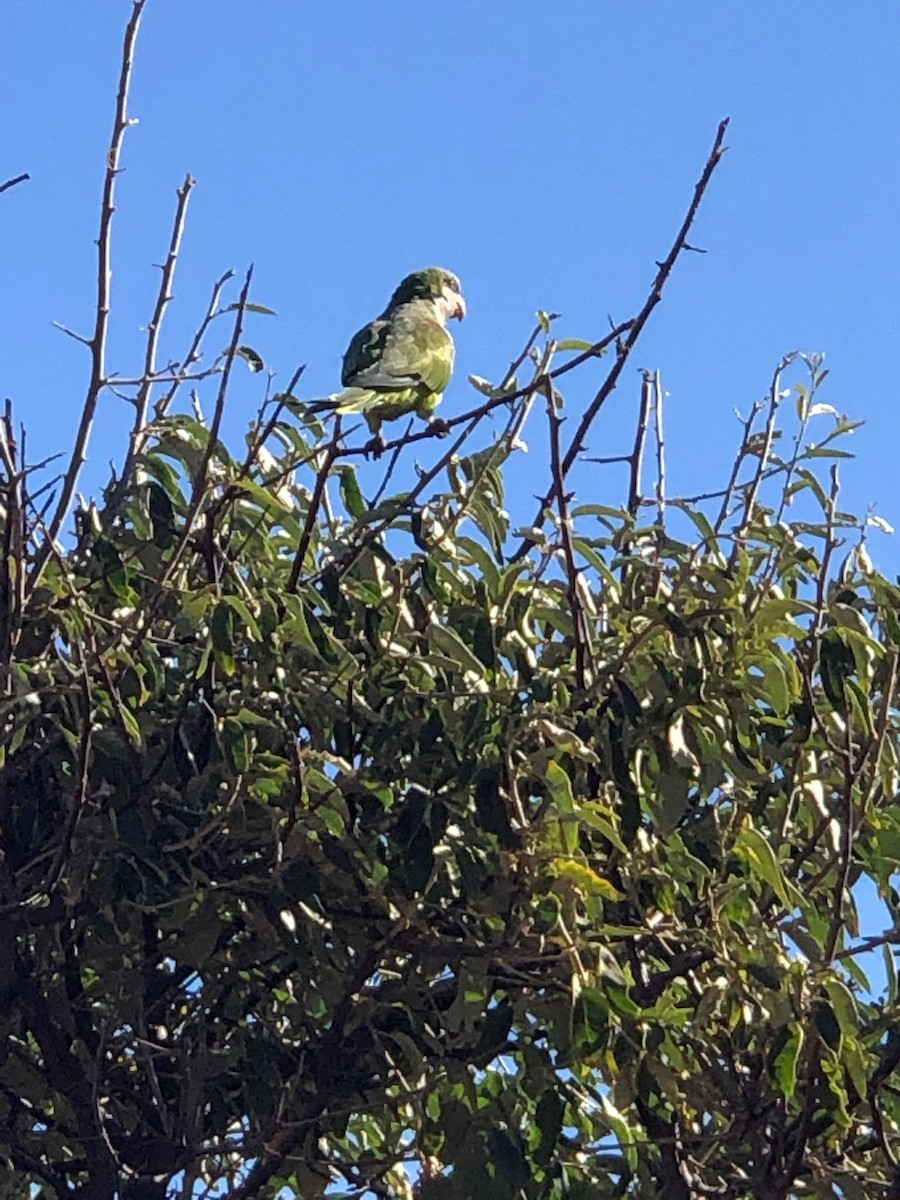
(402,361)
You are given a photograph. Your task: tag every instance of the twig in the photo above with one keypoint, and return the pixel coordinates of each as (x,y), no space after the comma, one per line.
(314,502)
(164,296)
(656,291)
(506,440)
(635,328)
(146,614)
(765,451)
(164,403)
(831,542)
(72,334)
(395,456)
(104,275)
(845,851)
(15,534)
(259,439)
(200,479)
(565,532)
(636,458)
(610,459)
(730,487)
(410,497)
(12,182)
(79,802)
(660,452)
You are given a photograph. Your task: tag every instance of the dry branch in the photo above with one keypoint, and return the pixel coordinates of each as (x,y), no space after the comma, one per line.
(104,277)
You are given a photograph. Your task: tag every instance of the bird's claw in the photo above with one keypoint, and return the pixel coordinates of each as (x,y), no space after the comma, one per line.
(375,447)
(439,427)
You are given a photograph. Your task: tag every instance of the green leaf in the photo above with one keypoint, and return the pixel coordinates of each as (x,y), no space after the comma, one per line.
(890,971)
(238,744)
(775,687)
(240,607)
(251,307)
(249,355)
(222,631)
(350,492)
(843,1005)
(560,788)
(827,1024)
(447,642)
(619,1126)
(836,665)
(787,1062)
(760,857)
(548,1117)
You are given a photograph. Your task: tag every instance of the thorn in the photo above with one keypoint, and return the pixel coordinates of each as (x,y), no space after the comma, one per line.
(72,334)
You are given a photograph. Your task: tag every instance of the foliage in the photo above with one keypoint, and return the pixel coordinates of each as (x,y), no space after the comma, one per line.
(366,842)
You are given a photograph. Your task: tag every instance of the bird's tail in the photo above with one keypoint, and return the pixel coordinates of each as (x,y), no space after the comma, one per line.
(350,400)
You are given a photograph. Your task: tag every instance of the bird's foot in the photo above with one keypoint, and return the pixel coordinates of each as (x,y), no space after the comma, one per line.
(438,426)
(375,447)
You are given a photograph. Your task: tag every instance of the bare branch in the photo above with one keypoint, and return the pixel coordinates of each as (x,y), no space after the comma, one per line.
(260,439)
(728,493)
(314,502)
(635,328)
(765,451)
(636,458)
(155,326)
(12,182)
(660,451)
(72,334)
(582,647)
(12,598)
(164,403)
(200,479)
(104,275)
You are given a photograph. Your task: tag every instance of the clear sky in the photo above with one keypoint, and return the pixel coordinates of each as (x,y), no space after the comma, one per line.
(544,151)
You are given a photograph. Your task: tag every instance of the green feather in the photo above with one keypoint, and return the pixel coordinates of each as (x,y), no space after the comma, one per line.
(402,361)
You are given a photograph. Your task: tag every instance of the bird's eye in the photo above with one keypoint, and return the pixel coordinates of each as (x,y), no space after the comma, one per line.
(451,283)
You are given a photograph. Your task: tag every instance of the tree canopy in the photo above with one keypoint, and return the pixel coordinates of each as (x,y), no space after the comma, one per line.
(354,837)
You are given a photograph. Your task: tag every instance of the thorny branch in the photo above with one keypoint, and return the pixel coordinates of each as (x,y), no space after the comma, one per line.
(154,328)
(634,329)
(104,277)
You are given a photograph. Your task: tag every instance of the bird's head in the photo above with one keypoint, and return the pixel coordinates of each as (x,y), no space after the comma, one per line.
(436,284)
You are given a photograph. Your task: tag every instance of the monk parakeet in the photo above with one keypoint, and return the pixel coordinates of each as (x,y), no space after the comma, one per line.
(402,361)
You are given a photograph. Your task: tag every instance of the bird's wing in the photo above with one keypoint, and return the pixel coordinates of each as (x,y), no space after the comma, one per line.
(408,349)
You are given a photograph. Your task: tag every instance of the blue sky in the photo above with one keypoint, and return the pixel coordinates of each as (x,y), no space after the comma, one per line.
(544,152)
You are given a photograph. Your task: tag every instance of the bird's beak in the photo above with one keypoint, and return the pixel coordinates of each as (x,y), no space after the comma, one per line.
(460,311)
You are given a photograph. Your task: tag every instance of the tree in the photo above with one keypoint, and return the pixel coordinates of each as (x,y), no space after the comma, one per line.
(365,842)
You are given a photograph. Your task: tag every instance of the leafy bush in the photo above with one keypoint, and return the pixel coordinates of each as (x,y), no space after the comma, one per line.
(366,842)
